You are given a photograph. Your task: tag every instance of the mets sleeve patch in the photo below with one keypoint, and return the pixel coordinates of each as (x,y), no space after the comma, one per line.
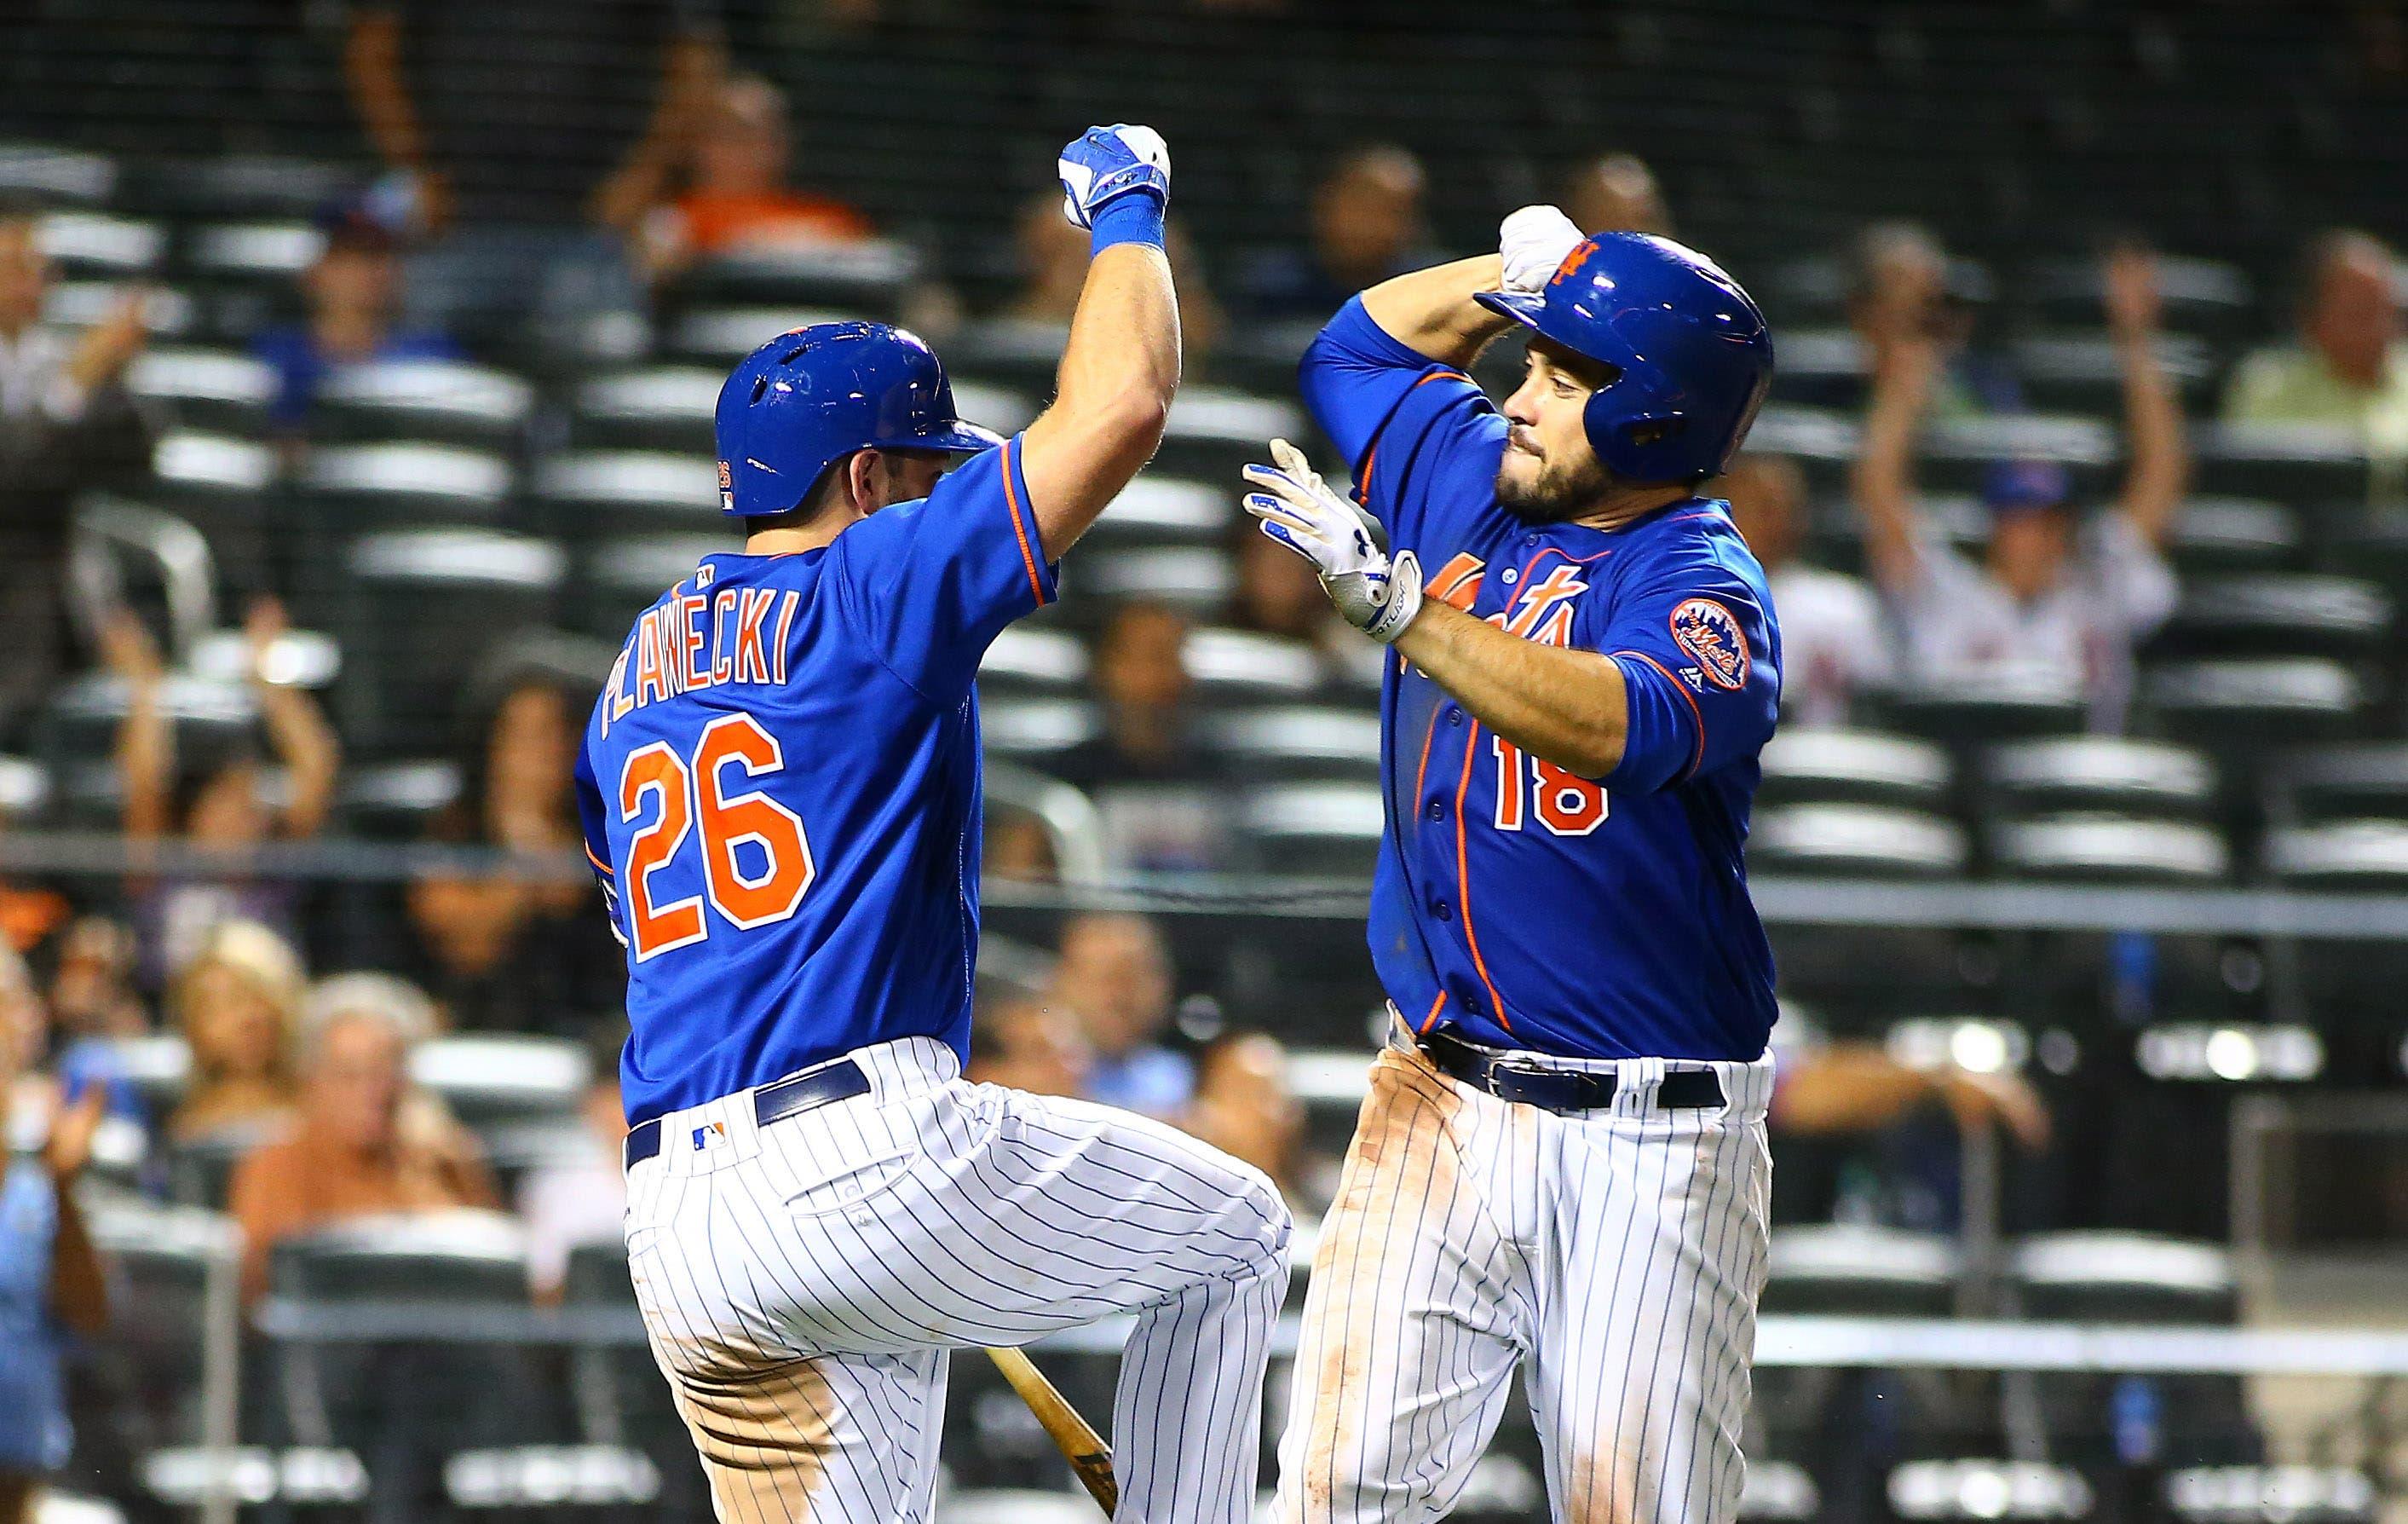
(1710,635)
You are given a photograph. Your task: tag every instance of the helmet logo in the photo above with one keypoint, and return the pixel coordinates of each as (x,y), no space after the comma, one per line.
(726,489)
(1710,634)
(1571,260)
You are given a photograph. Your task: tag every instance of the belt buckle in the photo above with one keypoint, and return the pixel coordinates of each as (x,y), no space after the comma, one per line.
(1502,1068)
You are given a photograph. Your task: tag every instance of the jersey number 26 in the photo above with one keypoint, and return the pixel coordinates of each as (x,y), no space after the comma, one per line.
(693,793)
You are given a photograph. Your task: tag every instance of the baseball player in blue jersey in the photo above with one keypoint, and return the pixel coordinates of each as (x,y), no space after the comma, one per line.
(780,787)
(1562,1160)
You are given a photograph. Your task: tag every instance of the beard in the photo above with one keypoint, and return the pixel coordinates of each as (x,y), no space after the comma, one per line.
(1557,493)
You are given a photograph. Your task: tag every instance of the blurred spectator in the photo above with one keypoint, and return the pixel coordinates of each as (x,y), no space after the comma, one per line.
(1278,595)
(92,985)
(738,195)
(1053,258)
(351,292)
(31,912)
(1018,847)
(580,1197)
(1030,1046)
(2062,602)
(66,426)
(52,1287)
(54,1066)
(1154,780)
(1113,975)
(1900,288)
(220,801)
(1615,193)
(2348,366)
(238,1006)
(1244,1106)
(519,953)
(1365,225)
(520,126)
(361,1143)
(1833,642)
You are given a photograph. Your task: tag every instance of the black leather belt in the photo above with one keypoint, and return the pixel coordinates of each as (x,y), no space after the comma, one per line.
(1509,1078)
(840,1080)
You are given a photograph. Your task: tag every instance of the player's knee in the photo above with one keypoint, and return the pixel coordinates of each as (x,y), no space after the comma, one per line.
(1275,1222)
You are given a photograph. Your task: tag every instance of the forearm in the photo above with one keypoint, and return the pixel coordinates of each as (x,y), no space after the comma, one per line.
(306,744)
(372,70)
(146,760)
(1119,371)
(1562,705)
(78,1282)
(2160,456)
(1431,310)
(1848,1088)
(1883,477)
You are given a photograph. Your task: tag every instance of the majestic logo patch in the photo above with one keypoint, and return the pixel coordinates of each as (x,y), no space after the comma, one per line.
(1709,632)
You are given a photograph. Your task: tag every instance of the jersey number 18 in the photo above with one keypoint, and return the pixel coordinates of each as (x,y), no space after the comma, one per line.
(692,793)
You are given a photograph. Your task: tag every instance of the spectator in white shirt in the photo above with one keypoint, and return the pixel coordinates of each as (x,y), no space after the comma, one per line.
(2054,598)
(580,1196)
(1834,642)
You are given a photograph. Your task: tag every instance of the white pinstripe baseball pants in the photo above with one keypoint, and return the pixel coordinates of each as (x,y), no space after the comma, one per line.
(1616,1255)
(802,1283)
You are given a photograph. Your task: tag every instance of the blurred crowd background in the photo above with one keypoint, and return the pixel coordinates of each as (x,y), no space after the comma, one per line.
(356,363)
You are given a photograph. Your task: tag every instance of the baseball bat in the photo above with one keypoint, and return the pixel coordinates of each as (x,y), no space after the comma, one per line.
(1076,1437)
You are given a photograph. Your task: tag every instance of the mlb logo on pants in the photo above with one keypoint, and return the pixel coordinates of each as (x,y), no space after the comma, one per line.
(710,1135)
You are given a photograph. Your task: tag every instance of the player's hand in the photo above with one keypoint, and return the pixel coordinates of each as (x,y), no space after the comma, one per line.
(1377,596)
(1104,163)
(68,1147)
(1533,243)
(2130,289)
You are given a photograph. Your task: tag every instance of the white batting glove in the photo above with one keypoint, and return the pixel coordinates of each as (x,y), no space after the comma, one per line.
(1104,163)
(1376,595)
(1533,242)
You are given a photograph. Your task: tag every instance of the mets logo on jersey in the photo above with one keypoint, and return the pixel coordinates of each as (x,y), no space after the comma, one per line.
(1712,637)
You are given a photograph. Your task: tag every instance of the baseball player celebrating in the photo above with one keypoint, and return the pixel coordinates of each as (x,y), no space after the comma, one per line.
(780,787)
(1562,1160)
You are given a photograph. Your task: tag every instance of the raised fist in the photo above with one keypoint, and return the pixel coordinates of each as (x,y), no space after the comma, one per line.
(1104,163)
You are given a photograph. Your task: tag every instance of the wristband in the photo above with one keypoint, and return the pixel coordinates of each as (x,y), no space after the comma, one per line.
(1135,217)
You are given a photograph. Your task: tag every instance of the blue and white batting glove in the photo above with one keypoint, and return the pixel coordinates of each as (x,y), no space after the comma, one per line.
(1117,182)
(1376,595)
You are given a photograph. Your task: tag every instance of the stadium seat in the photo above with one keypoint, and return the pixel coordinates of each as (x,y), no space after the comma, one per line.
(447,400)
(1988,1489)
(1024,660)
(200,1170)
(1157,509)
(210,720)
(424,607)
(247,275)
(2221,535)
(1296,742)
(1959,453)
(1032,729)
(2237,709)
(2359,781)
(1009,351)
(722,336)
(1214,431)
(2292,463)
(2099,772)
(165,1258)
(2005,705)
(1854,841)
(1196,579)
(52,172)
(659,407)
(206,388)
(91,243)
(867,279)
(1820,368)
(2076,372)
(2277,614)
(2265,1494)
(622,578)
(584,496)
(1234,667)
(2204,297)
(2094,847)
(491,1081)
(1806,765)
(2366,855)
(24,789)
(397,802)
(166,312)
(1322,830)
(350,487)
(1858,1270)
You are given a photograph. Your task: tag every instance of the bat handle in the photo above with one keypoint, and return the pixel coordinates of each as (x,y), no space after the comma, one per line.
(1078,1440)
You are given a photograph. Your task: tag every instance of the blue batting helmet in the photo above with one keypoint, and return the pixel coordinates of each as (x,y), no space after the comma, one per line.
(1690,353)
(807,399)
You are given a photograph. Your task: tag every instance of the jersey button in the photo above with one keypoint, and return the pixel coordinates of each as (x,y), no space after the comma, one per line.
(1435,809)
(1471,1005)
(1453,716)
(1441,909)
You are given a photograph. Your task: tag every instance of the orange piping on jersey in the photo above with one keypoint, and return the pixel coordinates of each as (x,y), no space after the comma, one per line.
(599,865)
(1431,1020)
(1698,759)
(1363,476)
(1422,771)
(1020,530)
(1463,884)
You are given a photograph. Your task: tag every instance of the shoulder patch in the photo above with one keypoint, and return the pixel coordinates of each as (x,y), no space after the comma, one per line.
(1711,634)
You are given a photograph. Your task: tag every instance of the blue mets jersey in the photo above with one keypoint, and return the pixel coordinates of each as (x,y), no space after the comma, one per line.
(781,789)
(1526,906)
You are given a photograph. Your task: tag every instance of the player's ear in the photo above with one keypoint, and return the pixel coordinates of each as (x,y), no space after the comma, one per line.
(866,473)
